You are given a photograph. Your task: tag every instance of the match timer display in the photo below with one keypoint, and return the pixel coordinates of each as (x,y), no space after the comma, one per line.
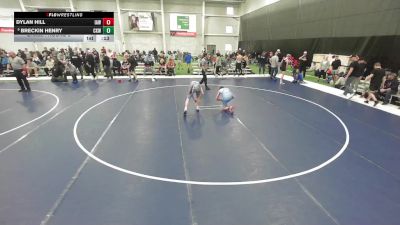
(63,26)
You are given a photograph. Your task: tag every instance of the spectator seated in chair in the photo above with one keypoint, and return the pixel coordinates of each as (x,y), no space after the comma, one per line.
(49,65)
(125,66)
(32,68)
(171,67)
(116,65)
(162,69)
(390,87)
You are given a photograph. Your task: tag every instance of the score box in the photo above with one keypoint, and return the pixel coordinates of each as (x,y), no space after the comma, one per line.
(104,38)
(89,38)
(108,21)
(108,30)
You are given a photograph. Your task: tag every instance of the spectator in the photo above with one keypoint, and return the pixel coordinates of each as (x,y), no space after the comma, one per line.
(280,58)
(218,64)
(107,66)
(61,56)
(270,54)
(188,61)
(4,62)
(274,61)
(376,78)
(323,68)
(171,67)
(90,64)
(238,65)
(49,65)
(335,67)
(32,68)
(155,54)
(18,65)
(125,66)
(132,69)
(96,57)
(390,87)
(262,61)
(162,69)
(148,64)
(179,58)
(303,64)
(352,77)
(71,70)
(36,59)
(245,61)
(77,61)
(45,52)
(283,67)
(116,65)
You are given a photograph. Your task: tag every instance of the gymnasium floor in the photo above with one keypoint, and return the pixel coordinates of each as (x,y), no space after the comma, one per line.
(109,153)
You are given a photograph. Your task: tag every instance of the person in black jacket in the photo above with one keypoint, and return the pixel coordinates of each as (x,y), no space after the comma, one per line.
(390,87)
(107,66)
(90,64)
(116,65)
(262,61)
(133,64)
(375,78)
(77,61)
(96,57)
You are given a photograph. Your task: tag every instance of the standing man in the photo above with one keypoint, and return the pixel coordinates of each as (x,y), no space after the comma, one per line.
(77,61)
(107,66)
(335,67)
(204,67)
(155,54)
(238,65)
(274,61)
(303,64)
(262,60)
(188,61)
(375,78)
(18,65)
(352,76)
(90,64)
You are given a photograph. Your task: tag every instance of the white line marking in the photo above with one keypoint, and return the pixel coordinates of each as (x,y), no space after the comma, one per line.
(37,118)
(210,106)
(74,178)
(315,200)
(258,140)
(6,110)
(318,167)
(186,172)
(303,188)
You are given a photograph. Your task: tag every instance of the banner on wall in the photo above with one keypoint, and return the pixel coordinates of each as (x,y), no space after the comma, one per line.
(141,21)
(182,25)
(6,21)
(6,30)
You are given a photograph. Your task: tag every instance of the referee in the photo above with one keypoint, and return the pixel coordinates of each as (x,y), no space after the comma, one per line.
(19,67)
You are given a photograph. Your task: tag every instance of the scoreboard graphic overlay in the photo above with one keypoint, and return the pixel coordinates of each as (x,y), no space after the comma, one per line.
(63,26)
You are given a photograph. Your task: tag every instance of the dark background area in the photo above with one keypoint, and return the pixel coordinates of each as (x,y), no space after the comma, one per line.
(370,29)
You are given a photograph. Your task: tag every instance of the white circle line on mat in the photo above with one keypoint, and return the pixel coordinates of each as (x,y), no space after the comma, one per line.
(235,183)
(37,118)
